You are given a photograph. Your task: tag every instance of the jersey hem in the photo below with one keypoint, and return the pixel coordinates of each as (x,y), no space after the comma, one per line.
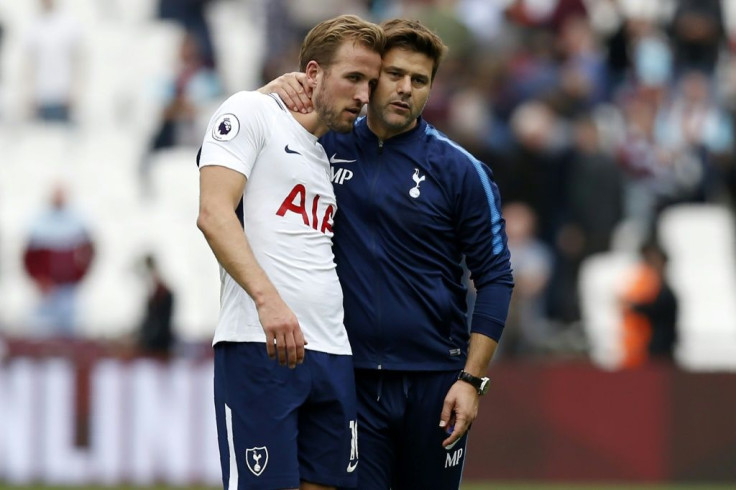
(338,351)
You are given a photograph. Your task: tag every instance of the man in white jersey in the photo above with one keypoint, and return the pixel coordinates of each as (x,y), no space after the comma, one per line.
(266,210)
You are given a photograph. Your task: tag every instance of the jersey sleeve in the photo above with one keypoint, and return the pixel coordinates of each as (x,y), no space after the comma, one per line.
(482,233)
(236,133)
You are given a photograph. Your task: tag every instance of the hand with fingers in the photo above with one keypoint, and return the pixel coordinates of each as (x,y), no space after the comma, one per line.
(458,412)
(284,338)
(293,90)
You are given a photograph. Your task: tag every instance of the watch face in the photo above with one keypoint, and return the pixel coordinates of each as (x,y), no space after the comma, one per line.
(484,385)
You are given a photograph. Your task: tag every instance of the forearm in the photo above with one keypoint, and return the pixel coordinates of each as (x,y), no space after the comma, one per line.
(491,308)
(480,353)
(232,250)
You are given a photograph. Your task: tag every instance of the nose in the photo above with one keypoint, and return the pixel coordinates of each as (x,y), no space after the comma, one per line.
(404,85)
(364,93)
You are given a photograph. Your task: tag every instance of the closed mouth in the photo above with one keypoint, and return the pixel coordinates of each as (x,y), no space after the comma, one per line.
(401,105)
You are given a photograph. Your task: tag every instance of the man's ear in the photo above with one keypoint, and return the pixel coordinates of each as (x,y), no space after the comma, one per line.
(313,72)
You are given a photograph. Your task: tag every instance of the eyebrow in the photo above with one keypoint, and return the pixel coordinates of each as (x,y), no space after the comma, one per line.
(357,73)
(405,71)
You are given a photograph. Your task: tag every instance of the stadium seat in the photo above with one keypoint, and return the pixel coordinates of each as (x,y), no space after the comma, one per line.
(700,241)
(600,284)
(173,208)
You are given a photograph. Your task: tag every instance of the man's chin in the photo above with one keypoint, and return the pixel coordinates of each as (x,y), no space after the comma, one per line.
(398,123)
(344,125)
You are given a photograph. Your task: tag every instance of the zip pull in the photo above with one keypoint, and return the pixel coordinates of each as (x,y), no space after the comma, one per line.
(380,146)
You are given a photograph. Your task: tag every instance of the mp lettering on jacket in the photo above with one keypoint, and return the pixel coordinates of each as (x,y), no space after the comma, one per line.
(311,214)
(340,175)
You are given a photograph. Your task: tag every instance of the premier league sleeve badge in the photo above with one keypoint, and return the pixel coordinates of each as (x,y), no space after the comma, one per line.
(226,127)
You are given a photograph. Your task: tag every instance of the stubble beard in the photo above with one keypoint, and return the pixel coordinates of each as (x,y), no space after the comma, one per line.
(391,121)
(329,114)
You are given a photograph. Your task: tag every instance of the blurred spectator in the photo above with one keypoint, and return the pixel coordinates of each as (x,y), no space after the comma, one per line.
(185,101)
(528,332)
(534,170)
(583,80)
(593,197)
(53,46)
(550,14)
(618,53)
(649,310)
(693,127)
(532,72)
(698,33)
(444,19)
(155,334)
(484,19)
(288,21)
(652,57)
(283,40)
(192,16)
(195,84)
(648,170)
(57,257)
(595,188)
(638,50)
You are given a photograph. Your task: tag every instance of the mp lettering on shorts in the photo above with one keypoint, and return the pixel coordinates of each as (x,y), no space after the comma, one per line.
(454,458)
(296,202)
(353,463)
(256,458)
(414,191)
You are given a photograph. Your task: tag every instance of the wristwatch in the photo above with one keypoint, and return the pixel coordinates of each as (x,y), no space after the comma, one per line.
(481,385)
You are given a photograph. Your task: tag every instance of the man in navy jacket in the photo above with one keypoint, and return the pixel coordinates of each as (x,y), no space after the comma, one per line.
(412,204)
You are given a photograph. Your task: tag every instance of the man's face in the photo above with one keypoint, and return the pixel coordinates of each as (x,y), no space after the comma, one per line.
(402,92)
(345,87)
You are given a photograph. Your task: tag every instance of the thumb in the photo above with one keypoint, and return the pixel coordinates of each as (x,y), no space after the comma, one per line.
(446,412)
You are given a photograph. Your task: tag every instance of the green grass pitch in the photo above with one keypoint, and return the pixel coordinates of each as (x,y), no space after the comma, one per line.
(465,486)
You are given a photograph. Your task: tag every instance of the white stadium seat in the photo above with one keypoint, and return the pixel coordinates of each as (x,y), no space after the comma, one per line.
(700,241)
(600,284)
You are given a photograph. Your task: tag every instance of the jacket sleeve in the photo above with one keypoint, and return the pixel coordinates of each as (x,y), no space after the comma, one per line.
(482,233)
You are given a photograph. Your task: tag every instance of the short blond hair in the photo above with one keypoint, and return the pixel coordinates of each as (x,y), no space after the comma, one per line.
(323,41)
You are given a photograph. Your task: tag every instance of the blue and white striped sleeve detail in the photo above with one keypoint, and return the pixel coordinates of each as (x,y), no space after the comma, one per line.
(492,200)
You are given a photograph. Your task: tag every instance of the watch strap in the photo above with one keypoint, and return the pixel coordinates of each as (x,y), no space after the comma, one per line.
(480,384)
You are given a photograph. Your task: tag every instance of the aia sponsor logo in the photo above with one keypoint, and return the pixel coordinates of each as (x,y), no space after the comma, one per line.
(313,214)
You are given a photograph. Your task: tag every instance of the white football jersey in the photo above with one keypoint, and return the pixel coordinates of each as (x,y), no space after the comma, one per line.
(287,212)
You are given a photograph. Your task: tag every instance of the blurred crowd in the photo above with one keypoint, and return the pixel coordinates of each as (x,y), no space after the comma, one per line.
(594,115)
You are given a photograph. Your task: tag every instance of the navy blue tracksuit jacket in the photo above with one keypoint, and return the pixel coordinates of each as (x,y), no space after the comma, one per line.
(409,210)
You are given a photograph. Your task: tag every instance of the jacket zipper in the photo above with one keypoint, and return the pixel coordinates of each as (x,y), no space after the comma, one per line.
(380,347)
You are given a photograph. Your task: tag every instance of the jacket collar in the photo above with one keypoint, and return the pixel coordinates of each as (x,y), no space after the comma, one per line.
(362,130)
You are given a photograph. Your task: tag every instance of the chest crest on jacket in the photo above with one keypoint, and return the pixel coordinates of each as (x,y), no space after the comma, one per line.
(418,179)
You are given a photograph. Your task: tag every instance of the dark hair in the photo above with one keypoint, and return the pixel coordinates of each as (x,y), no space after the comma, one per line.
(323,41)
(414,36)
(652,248)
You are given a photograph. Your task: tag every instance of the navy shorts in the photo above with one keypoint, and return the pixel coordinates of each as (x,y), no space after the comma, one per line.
(399,433)
(278,426)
